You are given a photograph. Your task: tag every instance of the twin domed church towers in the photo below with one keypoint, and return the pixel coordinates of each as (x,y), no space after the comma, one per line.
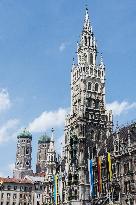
(87,126)
(46,155)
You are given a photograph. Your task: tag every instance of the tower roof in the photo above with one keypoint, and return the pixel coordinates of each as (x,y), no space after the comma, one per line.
(25,134)
(44,139)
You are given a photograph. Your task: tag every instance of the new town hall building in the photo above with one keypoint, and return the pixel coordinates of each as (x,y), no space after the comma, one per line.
(97,166)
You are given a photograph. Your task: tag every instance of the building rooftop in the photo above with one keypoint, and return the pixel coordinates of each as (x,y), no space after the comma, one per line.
(44,139)
(14,180)
(25,134)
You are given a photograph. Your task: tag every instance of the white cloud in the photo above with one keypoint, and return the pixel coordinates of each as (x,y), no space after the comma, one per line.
(47,120)
(8,130)
(5,102)
(120,107)
(62,47)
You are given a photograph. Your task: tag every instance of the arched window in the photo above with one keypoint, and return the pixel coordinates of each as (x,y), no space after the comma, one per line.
(96,87)
(89,103)
(89,85)
(99,73)
(85,41)
(89,39)
(91,59)
(27,150)
(52,158)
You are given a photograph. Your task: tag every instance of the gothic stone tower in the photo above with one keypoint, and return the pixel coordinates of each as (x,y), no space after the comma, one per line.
(23,155)
(46,156)
(88,124)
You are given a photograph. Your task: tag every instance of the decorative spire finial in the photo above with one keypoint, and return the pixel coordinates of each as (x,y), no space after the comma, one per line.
(86,20)
(86,13)
(52,136)
(102,59)
(73,62)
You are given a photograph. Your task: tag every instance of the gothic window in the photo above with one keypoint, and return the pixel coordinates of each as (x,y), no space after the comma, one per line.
(116,148)
(91,59)
(89,85)
(89,103)
(99,73)
(85,41)
(85,58)
(77,74)
(52,158)
(27,150)
(89,40)
(96,87)
(97,104)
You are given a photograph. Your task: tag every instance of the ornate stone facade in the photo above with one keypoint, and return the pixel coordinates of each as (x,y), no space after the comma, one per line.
(88,123)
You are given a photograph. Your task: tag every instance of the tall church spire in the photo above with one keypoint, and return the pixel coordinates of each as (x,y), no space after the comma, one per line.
(87,49)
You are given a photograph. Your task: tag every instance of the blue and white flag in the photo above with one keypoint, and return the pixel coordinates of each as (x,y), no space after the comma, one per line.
(90,167)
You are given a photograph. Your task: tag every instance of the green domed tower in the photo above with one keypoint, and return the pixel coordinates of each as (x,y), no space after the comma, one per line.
(23,155)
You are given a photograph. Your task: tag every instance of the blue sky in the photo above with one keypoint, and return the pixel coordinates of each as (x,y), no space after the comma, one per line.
(37,43)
